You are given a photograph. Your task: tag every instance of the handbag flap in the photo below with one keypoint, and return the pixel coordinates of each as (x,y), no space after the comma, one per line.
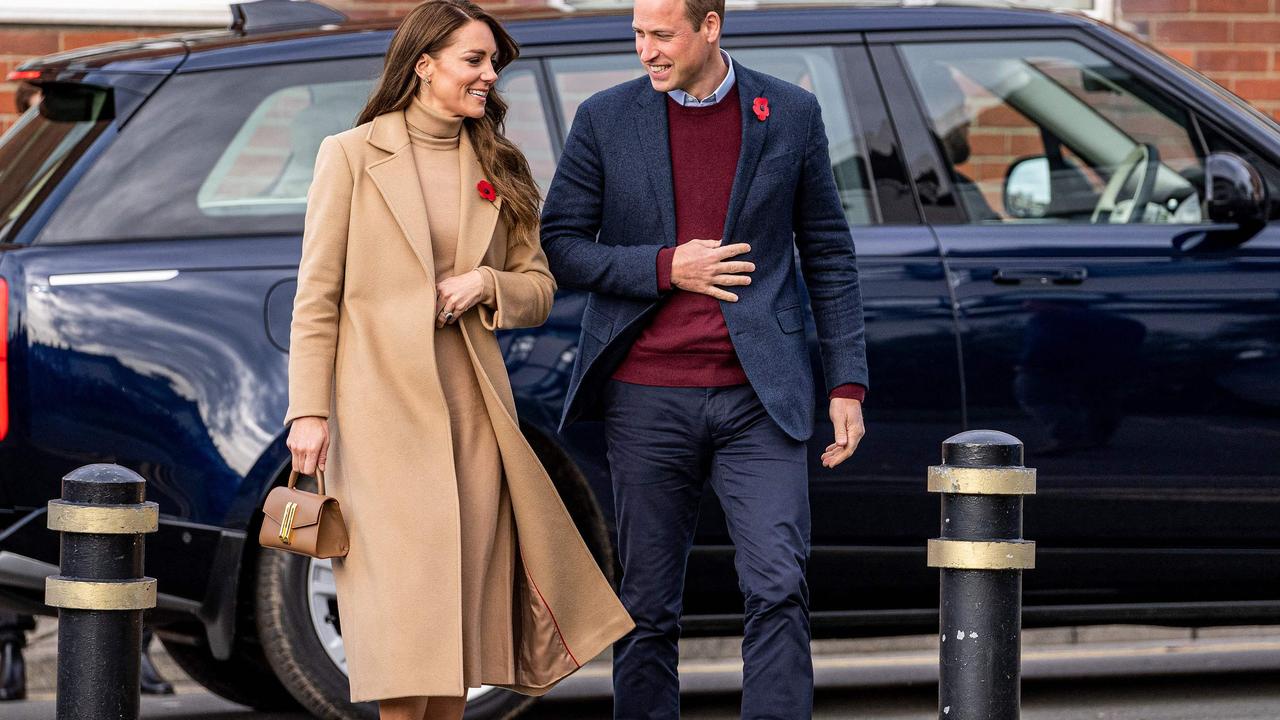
(310,505)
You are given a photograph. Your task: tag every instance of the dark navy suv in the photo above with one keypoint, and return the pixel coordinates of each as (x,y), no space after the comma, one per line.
(1062,234)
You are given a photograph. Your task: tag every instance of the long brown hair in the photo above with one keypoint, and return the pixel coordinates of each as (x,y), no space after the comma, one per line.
(428,28)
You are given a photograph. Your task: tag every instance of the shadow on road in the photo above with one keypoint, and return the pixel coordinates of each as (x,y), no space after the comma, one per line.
(1238,696)
(1221,696)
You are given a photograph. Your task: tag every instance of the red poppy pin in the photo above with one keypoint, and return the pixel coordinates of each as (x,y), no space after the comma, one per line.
(486,190)
(761,108)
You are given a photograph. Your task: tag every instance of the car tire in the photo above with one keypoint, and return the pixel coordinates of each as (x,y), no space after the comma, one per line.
(291,638)
(245,678)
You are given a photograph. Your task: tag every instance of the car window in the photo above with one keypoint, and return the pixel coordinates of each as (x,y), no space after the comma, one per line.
(232,152)
(526,122)
(814,68)
(43,145)
(579,77)
(257,173)
(1049,131)
(267,167)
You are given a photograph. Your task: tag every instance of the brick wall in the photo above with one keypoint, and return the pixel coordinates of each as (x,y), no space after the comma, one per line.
(1235,42)
(18,43)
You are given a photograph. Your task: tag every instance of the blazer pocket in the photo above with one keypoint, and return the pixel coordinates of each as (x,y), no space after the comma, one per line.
(777,162)
(791,319)
(597,325)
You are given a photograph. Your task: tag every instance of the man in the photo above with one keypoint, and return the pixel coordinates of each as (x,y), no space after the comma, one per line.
(949,112)
(13,669)
(26,96)
(678,203)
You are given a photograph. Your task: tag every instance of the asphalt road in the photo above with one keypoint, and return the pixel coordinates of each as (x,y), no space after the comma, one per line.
(1232,697)
(1220,679)
(1249,696)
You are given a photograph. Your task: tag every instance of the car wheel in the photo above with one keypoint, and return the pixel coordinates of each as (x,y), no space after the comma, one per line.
(301,634)
(244,678)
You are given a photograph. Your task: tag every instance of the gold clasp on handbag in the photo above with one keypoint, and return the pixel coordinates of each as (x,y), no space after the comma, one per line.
(286,521)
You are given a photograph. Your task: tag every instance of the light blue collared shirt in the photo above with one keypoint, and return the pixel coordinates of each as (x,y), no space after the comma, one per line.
(688,100)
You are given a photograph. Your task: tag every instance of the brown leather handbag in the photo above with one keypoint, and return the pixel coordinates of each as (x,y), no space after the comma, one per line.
(303,522)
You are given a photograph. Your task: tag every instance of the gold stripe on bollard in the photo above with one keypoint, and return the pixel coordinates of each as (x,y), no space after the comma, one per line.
(979,555)
(104,519)
(61,592)
(982,481)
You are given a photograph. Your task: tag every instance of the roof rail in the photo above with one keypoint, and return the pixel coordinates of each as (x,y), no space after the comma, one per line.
(268,15)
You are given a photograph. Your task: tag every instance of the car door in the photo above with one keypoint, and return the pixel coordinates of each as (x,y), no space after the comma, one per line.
(871,513)
(147,323)
(1066,186)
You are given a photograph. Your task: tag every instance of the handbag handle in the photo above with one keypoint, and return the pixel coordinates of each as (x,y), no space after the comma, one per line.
(293,479)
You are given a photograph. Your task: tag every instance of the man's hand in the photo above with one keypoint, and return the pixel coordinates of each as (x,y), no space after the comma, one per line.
(700,265)
(846,417)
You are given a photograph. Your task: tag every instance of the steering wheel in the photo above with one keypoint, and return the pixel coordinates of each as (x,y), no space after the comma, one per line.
(1141,164)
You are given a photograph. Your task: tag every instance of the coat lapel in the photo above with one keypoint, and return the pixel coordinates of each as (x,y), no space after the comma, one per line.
(396,177)
(477,217)
(754,134)
(655,144)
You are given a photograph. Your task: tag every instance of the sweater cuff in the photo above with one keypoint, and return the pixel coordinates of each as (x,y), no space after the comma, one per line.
(665,257)
(851,391)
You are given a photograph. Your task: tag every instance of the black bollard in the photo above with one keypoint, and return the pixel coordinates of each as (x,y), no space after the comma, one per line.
(981,555)
(100,593)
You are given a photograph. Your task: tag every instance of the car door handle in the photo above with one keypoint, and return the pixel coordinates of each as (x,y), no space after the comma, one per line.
(1042,276)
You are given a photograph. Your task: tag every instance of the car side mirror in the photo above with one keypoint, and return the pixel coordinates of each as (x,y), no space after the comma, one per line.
(1235,197)
(1234,191)
(1027,191)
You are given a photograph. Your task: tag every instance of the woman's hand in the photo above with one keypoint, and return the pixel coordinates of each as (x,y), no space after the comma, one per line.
(309,443)
(457,295)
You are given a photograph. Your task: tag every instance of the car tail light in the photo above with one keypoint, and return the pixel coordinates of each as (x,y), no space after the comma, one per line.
(4,358)
(17,75)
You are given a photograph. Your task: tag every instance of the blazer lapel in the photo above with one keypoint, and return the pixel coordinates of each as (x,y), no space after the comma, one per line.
(754,134)
(477,217)
(655,149)
(396,177)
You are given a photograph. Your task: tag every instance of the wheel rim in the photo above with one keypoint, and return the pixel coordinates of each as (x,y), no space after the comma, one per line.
(322,604)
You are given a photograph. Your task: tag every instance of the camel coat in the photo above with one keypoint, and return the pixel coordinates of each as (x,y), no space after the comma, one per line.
(362,355)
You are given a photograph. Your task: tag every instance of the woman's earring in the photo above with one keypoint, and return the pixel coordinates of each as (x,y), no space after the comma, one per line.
(427,80)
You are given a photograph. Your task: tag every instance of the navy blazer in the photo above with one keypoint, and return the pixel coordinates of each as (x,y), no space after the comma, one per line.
(610,209)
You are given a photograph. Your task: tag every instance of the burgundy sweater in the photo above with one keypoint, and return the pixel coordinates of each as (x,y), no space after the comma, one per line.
(687,344)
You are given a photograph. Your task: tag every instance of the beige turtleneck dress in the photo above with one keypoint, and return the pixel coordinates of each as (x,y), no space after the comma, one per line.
(484,504)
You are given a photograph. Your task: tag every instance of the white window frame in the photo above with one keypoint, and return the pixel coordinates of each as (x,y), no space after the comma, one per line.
(127,13)
(1104,10)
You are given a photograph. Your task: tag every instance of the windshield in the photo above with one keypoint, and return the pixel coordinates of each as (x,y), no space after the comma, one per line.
(37,151)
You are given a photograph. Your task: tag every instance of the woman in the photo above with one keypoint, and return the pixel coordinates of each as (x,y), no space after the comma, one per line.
(421,239)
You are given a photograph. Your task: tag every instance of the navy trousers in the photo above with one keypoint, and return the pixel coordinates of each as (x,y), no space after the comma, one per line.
(664,445)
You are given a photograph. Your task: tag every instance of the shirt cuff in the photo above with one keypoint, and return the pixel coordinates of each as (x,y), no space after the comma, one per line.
(851,391)
(665,257)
